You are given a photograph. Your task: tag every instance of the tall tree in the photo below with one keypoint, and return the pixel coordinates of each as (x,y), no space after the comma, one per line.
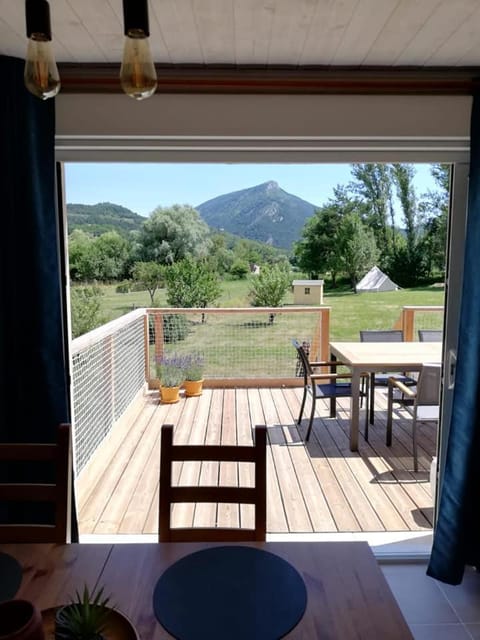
(403,175)
(434,207)
(172,233)
(357,248)
(374,185)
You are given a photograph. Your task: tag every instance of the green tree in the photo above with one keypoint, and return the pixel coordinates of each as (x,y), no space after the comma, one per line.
(403,175)
(112,253)
(357,248)
(172,233)
(239,269)
(269,287)
(434,208)
(85,305)
(149,275)
(191,283)
(317,251)
(82,256)
(373,183)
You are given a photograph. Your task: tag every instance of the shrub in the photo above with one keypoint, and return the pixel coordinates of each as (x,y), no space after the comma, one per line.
(123,287)
(85,309)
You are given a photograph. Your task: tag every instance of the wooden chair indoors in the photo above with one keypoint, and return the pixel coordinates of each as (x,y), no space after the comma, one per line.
(381,379)
(423,404)
(326,385)
(170,495)
(55,492)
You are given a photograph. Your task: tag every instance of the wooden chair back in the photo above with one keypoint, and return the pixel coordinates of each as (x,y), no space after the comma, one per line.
(170,495)
(56,492)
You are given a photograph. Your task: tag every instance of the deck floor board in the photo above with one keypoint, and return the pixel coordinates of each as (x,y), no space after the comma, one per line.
(319,486)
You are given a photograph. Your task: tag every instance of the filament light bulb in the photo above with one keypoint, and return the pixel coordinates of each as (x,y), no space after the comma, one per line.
(41,73)
(138,76)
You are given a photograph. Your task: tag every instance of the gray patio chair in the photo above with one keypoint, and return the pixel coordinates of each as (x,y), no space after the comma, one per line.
(335,385)
(381,379)
(425,406)
(430,335)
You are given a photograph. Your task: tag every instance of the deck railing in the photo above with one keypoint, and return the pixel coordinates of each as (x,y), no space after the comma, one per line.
(414,318)
(112,364)
(108,371)
(241,346)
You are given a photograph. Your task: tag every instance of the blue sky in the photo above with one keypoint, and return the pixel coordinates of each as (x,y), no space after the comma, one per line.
(142,187)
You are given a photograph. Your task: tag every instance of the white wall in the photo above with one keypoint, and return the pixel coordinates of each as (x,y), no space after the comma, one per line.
(256,128)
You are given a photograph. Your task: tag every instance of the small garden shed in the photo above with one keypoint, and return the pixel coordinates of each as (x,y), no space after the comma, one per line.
(307,292)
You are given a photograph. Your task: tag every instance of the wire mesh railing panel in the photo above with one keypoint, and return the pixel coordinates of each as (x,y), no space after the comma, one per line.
(237,344)
(129,365)
(108,370)
(431,320)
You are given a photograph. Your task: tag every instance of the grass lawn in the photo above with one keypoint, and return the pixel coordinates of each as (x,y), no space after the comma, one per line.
(233,344)
(349,312)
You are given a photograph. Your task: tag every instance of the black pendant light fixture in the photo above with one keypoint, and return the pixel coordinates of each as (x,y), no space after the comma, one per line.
(137,73)
(41,73)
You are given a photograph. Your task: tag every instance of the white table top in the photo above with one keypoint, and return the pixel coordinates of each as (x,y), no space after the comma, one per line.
(383,356)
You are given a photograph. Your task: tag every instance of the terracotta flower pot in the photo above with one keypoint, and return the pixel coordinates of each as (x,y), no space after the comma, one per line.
(193,388)
(20,620)
(169,395)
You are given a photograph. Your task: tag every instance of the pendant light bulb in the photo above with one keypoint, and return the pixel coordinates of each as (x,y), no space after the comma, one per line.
(41,73)
(138,76)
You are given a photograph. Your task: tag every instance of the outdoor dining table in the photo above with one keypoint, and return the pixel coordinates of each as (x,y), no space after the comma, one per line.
(380,356)
(347,594)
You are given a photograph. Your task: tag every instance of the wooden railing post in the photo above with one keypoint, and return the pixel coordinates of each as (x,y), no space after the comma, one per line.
(408,324)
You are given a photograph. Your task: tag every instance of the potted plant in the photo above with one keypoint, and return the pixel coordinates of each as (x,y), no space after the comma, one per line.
(171,373)
(84,618)
(194,368)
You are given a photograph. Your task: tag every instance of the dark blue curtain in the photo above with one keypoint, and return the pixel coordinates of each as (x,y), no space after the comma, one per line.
(457,535)
(33,381)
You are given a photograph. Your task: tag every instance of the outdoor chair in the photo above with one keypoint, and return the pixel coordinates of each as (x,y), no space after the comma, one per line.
(13,455)
(423,404)
(430,335)
(169,495)
(326,385)
(381,379)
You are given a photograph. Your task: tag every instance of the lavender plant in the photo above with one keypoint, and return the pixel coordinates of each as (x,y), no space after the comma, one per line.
(194,367)
(171,369)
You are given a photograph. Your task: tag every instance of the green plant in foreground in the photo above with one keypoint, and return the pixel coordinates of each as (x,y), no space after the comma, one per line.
(84,618)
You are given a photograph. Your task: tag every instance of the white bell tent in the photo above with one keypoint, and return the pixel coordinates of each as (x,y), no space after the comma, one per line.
(375,280)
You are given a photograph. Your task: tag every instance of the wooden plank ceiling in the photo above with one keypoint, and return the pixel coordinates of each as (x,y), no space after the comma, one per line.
(268,35)
(389,33)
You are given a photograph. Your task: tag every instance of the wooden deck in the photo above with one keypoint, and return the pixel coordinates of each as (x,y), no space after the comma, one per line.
(320,486)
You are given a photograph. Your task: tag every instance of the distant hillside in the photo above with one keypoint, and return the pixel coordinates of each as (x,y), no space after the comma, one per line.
(265,213)
(104,216)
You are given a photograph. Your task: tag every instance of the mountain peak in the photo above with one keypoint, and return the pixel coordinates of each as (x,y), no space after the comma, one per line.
(265,213)
(270,185)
